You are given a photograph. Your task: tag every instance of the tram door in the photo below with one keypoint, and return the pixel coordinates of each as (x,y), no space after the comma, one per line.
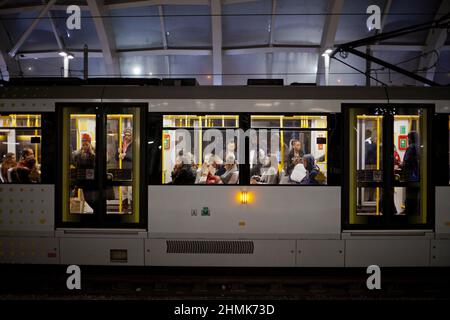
(387,162)
(101,163)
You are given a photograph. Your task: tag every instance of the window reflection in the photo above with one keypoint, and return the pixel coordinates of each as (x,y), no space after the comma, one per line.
(83,191)
(203,150)
(407,167)
(119,158)
(369,154)
(280,154)
(20,148)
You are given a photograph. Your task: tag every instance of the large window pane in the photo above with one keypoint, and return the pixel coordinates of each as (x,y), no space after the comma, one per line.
(264,121)
(369,164)
(410,163)
(279,154)
(119,162)
(84,196)
(20,148)
(203,150)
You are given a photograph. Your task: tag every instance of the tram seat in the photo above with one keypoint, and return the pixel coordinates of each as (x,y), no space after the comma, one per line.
(10,176)
(2,179)
(234,178)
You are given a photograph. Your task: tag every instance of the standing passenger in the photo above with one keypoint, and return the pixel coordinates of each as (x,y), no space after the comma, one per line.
(294,157)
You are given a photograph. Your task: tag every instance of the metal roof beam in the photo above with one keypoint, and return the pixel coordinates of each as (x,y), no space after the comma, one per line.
(144,3)
(207,52)
(105,36)
(216,23)
(19,9)
(328,36)
(30,29)
(435,41)
(164,37)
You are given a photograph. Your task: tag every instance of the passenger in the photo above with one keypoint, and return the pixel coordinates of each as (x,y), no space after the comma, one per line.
(9,161)
(85,157)
(202,172)
(411,173)
(217,163)
(183,173)
(126,155)
(294,157)
(26,153)
(126,152)
(26,173)
(313,174)
(83,161)
(231,175)
(410,164)
(370,146)
(255,168)
(269,172)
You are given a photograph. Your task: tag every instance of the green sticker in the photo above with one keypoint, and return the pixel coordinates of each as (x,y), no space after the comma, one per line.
(402,129)
(402,143)
(205,211)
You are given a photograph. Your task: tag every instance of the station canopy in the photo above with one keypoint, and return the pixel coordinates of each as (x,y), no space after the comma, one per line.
(222,42)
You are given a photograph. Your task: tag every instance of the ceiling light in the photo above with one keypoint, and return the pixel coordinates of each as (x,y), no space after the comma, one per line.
(137,70)
(327,52)
(66,54)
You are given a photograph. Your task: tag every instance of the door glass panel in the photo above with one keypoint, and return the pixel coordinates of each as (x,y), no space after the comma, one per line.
(410,164)
(119,162)
(365,165)
(83,190)
(369,164)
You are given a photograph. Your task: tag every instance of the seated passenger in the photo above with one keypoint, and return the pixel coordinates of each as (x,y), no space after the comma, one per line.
(202,172)
(26,153)
(217,164)
(27,173)
(269,172)
(9,161)
(182,173)
(231,175)
(313,174)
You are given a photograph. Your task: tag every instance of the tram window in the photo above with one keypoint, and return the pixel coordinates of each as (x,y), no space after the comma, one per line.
(200,149)
(369,155)
(288,150)
(387,175)
(410,164)
(272,121)
(82,143)
(20,148)
(119,162)
(449,149)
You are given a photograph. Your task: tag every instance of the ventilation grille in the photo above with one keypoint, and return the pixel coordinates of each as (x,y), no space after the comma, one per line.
(210,247)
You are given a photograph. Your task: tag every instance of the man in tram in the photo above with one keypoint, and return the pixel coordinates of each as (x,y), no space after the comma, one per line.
(411,173)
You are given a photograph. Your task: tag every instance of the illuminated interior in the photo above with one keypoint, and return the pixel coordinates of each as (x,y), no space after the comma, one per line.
(184,142)
(407,192)
(369,157)
(277,150)
(19,132)
(89,191)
